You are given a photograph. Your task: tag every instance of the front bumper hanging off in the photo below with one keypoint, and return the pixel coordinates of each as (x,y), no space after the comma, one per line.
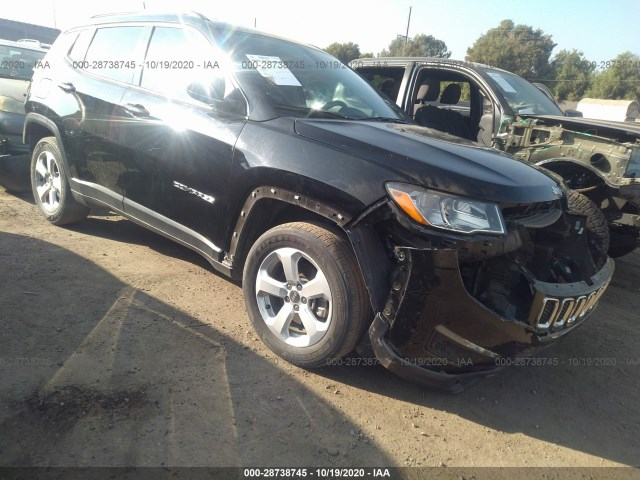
(432,331)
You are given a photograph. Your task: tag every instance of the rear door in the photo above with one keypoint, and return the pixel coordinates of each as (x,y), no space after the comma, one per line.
(103,62)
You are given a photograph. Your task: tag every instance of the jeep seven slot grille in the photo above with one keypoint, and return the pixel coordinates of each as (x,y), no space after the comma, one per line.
(559,313)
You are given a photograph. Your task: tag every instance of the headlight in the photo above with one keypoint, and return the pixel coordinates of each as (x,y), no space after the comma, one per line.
(450,212)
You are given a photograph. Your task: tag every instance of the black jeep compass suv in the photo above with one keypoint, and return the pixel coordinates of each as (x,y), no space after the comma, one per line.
(350,226)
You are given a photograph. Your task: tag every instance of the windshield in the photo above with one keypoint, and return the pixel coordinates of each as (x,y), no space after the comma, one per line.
(301,81)
(523,97)
(18,62)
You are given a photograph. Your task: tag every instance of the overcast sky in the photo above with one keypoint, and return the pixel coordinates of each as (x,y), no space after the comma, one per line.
(600,28)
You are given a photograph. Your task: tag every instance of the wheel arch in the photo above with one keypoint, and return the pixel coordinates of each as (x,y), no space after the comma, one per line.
(37,127)
(570,170)
(268,206)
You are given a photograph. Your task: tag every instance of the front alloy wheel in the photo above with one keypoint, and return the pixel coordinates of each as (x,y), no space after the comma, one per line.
(304,293)
(294,297)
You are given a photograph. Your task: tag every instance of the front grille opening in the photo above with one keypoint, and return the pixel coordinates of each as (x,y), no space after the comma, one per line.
(555,254)
(500,286)
(560,252)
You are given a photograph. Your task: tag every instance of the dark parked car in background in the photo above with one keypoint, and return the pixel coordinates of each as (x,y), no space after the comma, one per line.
(597,158)
(349,226)
(17,61)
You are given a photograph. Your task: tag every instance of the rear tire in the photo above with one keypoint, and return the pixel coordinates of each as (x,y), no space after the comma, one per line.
(305,295)
(50,185)
(597,226)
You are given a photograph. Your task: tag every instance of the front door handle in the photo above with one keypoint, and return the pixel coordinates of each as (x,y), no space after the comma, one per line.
(67,87)
(136,109)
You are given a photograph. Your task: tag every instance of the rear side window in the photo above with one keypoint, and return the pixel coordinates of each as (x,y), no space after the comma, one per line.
(112,53)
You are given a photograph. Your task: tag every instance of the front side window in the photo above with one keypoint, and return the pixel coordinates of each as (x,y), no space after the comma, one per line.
(112,53)
(176,59)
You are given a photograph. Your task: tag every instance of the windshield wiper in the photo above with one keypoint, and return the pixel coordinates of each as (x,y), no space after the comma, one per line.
(385,119)
(330,114)
(311,111)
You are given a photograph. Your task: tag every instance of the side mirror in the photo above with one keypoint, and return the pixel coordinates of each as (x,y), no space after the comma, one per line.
(207,93)
(570,112)
(213,95)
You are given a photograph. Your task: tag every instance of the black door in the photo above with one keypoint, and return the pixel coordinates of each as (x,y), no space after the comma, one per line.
(98,81)
(178,160)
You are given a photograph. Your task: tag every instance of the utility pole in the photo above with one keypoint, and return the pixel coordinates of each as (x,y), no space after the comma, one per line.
(255,22)
(406,37)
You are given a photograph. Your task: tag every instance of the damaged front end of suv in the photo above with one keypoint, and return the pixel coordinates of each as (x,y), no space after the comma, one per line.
(477,284)
(338,214)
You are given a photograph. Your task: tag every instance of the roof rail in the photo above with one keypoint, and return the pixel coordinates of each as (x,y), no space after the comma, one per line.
(138,12)
(112,14)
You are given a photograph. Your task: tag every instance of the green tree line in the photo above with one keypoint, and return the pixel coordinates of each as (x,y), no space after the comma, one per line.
(525,51)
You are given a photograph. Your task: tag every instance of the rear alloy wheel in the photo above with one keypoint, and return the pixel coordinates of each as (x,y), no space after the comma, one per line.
(304,294)
(50,186)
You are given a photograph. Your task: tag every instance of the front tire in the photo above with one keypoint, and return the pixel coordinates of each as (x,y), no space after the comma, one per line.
(50,185)
(305,295)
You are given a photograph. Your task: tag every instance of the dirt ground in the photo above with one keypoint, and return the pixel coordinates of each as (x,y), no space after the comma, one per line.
(120,348)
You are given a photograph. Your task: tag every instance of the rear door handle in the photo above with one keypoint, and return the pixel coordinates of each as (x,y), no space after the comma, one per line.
(67,87)
(136,109)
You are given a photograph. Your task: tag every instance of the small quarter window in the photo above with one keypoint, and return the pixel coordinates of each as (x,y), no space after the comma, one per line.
(79,48)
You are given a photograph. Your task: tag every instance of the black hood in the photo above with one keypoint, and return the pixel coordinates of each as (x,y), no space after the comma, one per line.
(603,128)
(435,160)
